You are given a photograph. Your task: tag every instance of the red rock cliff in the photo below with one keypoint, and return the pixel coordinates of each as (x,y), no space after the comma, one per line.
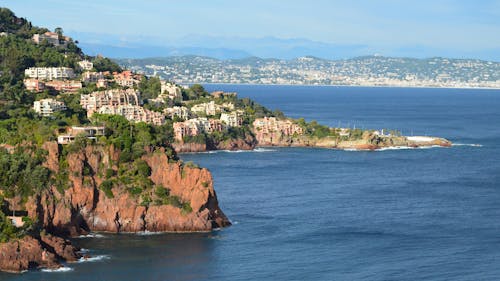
(83,207)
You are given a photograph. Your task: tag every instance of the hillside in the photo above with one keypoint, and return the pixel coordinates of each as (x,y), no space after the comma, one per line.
(364,71)
(65,172)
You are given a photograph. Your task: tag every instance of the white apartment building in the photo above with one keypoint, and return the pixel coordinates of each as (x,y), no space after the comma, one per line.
(232,119)
(179,111)
(134,113)
(86,65)
(209,108)
(92,76)
(46,107)
(92,102)
(49,73)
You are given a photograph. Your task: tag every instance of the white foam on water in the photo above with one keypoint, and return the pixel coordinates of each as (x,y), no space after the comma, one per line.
(91,235)
(261,149)
(467,144)
(148,233)
(60,269)
(235,151)
(83,251)
(94,258)
(395,148)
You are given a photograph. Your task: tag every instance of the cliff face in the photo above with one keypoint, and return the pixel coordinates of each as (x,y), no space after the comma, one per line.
(247,143)
(189,147)
(84,207)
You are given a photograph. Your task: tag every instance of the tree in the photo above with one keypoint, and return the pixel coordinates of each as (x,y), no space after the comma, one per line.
(59,32)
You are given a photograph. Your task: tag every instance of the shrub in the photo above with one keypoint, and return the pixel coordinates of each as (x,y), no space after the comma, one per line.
(135,190)
(107,186)
(109,173)
(186,208)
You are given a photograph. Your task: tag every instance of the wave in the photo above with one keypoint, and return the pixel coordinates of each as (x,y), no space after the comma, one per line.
(467,144)
(60,269)
(261,149)
(94,258)
(395,148)
(148,233)
(83,251)
(91,235)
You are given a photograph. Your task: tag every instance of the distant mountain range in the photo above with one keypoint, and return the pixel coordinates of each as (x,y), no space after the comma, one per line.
(123,46)
(365,71)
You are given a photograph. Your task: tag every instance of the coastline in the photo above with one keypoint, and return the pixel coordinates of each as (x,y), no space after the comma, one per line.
(405,142)
(350,86)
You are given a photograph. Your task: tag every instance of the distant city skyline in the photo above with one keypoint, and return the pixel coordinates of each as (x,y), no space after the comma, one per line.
(330,29)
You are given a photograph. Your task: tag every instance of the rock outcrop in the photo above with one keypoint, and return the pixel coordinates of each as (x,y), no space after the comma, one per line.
(249,142)
(29,252)
(83,207)
(368,141)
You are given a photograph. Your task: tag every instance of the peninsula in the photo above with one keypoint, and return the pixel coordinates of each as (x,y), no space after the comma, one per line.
(88,146)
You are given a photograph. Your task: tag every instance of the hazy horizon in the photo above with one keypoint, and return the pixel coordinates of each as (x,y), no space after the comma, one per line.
(281,29)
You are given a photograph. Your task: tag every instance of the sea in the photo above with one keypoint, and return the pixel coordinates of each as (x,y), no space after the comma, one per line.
(325,214)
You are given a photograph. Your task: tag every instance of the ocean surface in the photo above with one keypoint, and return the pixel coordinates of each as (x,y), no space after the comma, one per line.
(322,214)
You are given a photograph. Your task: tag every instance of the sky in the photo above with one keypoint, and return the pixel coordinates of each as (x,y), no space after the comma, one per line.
(458,28)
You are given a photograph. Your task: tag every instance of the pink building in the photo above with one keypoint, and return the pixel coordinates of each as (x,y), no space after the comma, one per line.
(66,86)
(268,125)
(34,85)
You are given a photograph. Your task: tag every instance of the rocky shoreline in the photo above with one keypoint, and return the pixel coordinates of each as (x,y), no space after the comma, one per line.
(45,251)
(367,142)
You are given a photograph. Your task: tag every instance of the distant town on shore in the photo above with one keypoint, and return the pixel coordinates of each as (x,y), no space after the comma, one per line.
(360,71)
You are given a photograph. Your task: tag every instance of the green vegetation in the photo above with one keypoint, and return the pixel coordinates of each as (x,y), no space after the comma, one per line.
(314,129)
(150,87)
(195,92)
(163,197)
(102,64)
(107,187)
(7,229)
(22,173)
(132,138)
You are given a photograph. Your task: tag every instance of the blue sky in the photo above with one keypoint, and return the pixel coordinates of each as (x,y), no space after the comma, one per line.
(470,28)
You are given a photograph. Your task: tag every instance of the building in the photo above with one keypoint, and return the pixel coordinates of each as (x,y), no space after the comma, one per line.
(86,65)
(49,73)
(46,107)
(51,38)
(232,119)
(91,132)
(66,86)
(196,126)
(102,83)
(114,97)
(134,113)
(126,78)
(172,91)
(177,111)
(92,76)
(269,125)
(34,85)
(208,108)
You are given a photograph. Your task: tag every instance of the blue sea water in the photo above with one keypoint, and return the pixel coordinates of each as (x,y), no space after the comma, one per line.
(321,214)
